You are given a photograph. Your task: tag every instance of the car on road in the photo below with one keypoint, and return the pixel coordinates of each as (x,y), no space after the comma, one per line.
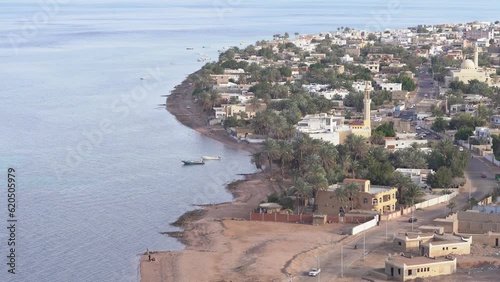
(483,175)
(418,127)
(460,149)
(314,271)
(412,219)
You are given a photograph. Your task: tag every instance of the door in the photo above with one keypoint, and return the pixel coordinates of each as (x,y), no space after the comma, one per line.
(392,271)
(496,242)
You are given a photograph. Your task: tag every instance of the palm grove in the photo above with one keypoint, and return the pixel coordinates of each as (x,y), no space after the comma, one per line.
(303,165)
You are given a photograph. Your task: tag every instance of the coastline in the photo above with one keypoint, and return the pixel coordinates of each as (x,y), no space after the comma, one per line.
(202,227)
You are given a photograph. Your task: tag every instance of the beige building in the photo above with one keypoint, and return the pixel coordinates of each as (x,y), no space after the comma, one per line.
(469,70)
(377,198)
(248,111)
(431,244)
(401,268)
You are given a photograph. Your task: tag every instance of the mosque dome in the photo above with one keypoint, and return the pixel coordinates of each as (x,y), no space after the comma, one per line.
(468,65)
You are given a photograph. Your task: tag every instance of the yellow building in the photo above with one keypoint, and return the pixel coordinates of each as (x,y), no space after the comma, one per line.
(377,198)
(402,268)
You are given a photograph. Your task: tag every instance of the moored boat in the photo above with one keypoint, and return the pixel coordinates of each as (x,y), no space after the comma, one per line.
(209,158)
(200,162)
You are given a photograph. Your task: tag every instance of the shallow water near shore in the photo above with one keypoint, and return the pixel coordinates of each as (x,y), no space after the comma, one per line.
(97,163)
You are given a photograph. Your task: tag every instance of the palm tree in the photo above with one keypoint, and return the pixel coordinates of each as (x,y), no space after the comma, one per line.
(302,191)
(357,146)
(270,151)
(328,155)
(285,152)
(258,159)
(402,182)
(316,177)
(413,194)
(354,166)
(353,190)
(342,196)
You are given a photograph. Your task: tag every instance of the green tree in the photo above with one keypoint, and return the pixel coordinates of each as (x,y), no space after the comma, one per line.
(407,83)
(386,129)
(451,205)
(439,125)
(442,178)
(285,153)
(401,182)
(496,145)
(353,190)
(270,150)
(413,194)
(302,191)
(464,133)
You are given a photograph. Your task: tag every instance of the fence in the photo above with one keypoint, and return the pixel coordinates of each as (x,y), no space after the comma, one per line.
(426,204)
(435,201)
(491,158)
(305,218)
(365,226)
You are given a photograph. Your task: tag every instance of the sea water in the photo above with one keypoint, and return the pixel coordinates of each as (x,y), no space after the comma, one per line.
(97,161)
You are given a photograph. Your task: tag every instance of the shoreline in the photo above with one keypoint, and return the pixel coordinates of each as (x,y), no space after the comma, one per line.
(200,224)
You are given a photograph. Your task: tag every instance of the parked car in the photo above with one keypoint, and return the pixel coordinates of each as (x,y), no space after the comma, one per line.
(412,219)
(483,175)
(460,149)
(314,271)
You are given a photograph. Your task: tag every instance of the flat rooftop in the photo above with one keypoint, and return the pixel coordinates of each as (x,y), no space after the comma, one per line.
(416,260)
(379,189)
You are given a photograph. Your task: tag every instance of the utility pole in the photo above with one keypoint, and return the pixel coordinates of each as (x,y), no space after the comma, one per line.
(342,260)
(412,219)
(387,219)
(319,268)
(364,242)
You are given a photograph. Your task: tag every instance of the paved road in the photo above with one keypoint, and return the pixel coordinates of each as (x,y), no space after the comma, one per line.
(376,237)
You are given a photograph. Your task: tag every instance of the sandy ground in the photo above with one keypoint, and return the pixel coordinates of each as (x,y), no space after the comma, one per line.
(221,244)
(482,265)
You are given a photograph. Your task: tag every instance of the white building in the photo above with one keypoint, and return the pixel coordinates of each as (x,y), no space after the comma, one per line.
(359,86)
(391,86)
(346,59)
(322,126)
(330,94)
(418,176)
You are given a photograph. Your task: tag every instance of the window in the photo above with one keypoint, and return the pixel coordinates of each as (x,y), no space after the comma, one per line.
(446,248)
(454,248)
(399,271)
(409,272)
(365,201)
(399,243)
(418,270)
(443,248)
(428,268)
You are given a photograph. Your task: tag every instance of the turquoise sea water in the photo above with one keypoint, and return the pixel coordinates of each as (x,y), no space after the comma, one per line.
(97,164)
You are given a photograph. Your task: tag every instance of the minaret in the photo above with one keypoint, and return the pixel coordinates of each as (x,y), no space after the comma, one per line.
(476,57)
(367,101)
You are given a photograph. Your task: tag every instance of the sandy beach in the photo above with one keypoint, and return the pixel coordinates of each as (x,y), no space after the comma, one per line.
(221,244)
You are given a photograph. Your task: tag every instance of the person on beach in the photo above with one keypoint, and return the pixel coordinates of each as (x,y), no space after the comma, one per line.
(149,255)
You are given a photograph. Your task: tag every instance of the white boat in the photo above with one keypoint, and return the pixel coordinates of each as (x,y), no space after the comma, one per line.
(210,158)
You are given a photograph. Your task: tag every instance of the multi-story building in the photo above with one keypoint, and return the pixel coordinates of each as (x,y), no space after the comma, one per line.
(378,198)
